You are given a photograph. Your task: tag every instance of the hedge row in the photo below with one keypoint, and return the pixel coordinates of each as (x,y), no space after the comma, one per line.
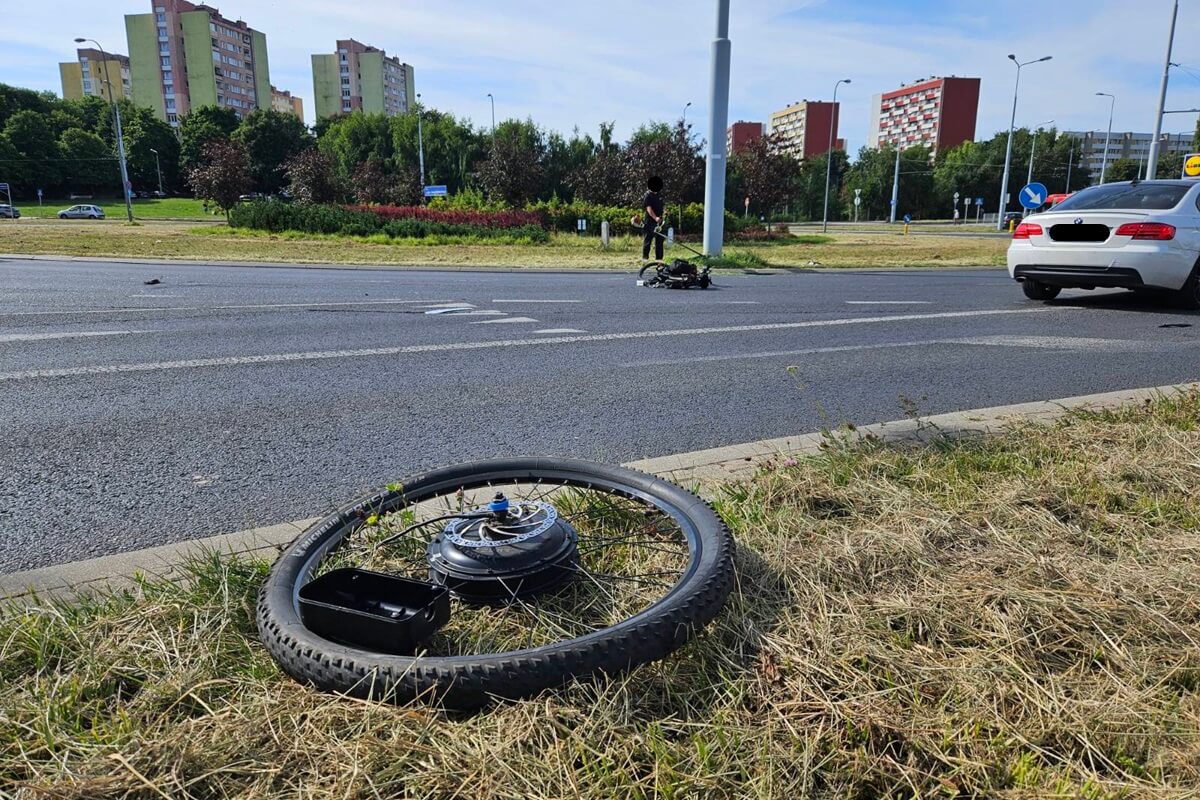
(331,219)
(483,219)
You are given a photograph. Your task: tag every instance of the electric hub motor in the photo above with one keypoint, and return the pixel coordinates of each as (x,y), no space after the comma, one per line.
(504,551)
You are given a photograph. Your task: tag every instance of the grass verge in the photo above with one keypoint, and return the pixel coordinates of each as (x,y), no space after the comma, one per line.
(1006,617)
(183,208)
(179,240)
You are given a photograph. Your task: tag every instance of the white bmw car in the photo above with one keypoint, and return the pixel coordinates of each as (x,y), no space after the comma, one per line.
(1143,235)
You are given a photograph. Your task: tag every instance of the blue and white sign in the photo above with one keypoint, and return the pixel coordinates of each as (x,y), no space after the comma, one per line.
(1033,196)
(978,201)
(436,191)
(907,218)
(39,193)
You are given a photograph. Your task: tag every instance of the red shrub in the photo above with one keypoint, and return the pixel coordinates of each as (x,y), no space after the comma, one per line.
(482,219)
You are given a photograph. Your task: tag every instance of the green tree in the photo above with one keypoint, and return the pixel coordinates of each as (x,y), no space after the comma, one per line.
(271,139)
(356,138)
(1170,165)
(563,158)
(223,174)
(671,153)
(1123,169)
(33,137)
(313,179)
(767,175)
(198,128)
(14,99)
(452,147)
(88,164)
(145,133)
(602,178)
(513,171)
(810,196)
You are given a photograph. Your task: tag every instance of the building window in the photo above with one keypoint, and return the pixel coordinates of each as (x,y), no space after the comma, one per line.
(166,61)
(160,16)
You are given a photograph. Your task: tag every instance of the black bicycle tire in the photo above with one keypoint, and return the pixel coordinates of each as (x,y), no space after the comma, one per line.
(642,271)
(468,682)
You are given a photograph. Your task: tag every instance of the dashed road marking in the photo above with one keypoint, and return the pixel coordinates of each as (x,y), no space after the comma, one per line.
(42,337)
(280,358)
(504,321)
(560,330)
(889,302)
(545,302)
(250,307)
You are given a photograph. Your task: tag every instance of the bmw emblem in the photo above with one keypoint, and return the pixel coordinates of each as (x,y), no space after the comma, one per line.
(1079,220)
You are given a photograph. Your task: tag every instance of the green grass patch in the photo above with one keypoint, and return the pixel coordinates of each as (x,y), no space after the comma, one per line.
(1006,617)
(114,208)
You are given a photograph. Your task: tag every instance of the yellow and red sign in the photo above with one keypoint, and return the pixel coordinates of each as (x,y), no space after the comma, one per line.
(1191,165)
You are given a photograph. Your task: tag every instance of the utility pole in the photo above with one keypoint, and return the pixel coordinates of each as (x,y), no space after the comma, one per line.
(493,118)
(1156,142)
(718,121)
(895,187)
(116,110)
(1070,163)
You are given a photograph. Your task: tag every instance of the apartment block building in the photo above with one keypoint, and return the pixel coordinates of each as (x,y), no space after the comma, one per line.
(939,113)
(185,55)
(804,128)
(1134,146)
(741,135)
(358,77)
(285,103)
(89,75)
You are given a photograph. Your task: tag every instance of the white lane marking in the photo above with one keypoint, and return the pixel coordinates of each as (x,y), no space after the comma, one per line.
(889,302)
(547,302)
(739,303)
(450,310)
(41,337)
(279,358)
(1043,342)
(1066,343)
(779,353)
(560,330)
(447,305)
(504,321)
(464,312)
(156,295)
(253,307)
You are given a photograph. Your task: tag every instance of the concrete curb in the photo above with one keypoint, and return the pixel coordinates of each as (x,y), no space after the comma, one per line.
(703,470)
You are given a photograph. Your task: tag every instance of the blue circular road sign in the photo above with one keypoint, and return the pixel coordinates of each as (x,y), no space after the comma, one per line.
(1034,196)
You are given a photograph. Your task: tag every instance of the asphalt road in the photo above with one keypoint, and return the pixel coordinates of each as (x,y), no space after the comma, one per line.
(226,398)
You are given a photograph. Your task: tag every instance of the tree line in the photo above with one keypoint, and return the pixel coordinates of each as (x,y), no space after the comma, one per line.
(66,146)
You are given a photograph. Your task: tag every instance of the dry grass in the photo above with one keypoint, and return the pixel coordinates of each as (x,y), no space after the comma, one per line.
(177,240)
(1013,617)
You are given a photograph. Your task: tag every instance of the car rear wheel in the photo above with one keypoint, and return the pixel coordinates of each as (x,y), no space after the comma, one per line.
(1036,290)
(1189,296)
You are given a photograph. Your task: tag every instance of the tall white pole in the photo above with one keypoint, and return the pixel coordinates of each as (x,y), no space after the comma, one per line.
(420,142)
(1003,205)
(718,121)
(895,187)
(833,115)
(116,109)
(1108,136)
(1156,142)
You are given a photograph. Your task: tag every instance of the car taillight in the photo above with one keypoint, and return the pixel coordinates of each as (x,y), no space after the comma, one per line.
(1027,229)
(1147,231)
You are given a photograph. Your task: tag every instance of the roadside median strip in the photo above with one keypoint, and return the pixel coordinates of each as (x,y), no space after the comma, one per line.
(703,469)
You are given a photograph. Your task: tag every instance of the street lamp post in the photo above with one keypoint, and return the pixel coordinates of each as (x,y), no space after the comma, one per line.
(493,117)
(420,141)
(1003,206)
(833,115)
(1108,136)
(685,108)
(117,121)
(158,169)
(1156,142)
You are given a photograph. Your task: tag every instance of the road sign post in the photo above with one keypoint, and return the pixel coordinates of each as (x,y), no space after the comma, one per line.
(436,191)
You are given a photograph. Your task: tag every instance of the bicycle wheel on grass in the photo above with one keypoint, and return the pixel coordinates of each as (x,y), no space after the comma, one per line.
(552,570)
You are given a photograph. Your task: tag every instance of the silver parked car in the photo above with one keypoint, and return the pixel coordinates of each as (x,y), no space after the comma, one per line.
(82,212)
(8,212)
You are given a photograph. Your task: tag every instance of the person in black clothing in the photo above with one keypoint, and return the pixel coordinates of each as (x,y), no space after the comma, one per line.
(653,206)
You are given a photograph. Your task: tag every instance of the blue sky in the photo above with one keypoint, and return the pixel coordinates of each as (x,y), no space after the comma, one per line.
(571,64)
